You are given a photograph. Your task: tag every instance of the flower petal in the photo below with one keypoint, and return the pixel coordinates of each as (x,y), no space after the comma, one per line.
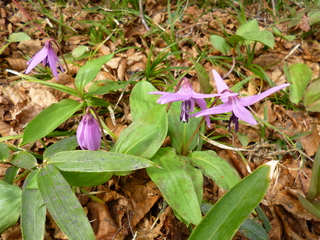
(242,113)
(88,133)
(223,108)
(247,101)
(37,58)
(221,85)
(202,104)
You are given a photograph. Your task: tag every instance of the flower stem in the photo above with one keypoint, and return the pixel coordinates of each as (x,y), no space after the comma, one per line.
(184,150)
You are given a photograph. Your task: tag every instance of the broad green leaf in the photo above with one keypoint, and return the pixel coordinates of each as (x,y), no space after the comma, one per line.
(140,100)
(86,179)
(181,132)
(10,199)
(311,98)
(220,44)
(4,151)
(264,37)
(97,161)
(235,39)
(248,27)
(23,160)
(63,205)
(145,135)
(300,75)
(49,119)
(11,174)
(89,71)
(250,31)
(56,86)
(233,208)
(253,230)
(215,167)
(69,143)
(312,207)
(249,228)
(197,178)
(97,102)
(176,184)
(203,77)
(314,189)
(18,37)
(105,86)
(79,51)
(33,211)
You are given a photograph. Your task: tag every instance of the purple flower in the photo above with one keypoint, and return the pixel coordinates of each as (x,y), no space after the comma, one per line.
(88,133)
(48,57)
(188,97)
(232,103)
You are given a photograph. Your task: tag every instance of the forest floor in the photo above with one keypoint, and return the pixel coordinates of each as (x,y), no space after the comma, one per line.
(289,142)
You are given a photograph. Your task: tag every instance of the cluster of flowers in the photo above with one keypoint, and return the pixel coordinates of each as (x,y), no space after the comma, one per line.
(231,101)
(89,134)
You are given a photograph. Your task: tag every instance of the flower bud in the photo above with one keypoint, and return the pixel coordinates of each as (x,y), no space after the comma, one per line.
(88,133)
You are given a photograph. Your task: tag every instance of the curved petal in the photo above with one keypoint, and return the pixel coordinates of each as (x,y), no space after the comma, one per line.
(38,58)
(52,60)
(223,108)
(202,104)
(247,101)
(173,97)
(242,113)
(221,85)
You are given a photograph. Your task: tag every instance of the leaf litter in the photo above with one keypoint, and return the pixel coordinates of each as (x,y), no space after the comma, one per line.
(132,207)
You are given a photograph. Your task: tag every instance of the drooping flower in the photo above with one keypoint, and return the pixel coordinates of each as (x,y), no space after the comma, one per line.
(88,133)
(48,57)
(188,97)
(232,103)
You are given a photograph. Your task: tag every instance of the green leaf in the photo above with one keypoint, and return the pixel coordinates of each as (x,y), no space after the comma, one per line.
(197,178)
(18,37)
(311,207)
(79,51)
(86,179)
(4,151)
(220,44)
(250,31)
(215,167)
(248,27)
(300,75)
(23,160)
(176,184)
(56,86)
(10,199)
(253,230)
(264,37)
(11,174)
(144,136)
(33,211)
(181,132)
(314,189)
(69,143)
(140,100)
(63,205)
(105,86)
(277,32)
(233,208)
(97,161)
(89,71)
(311,98)
(203,77)
(49,119)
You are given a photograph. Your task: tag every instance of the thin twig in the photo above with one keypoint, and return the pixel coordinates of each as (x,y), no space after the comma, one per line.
(143,20)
